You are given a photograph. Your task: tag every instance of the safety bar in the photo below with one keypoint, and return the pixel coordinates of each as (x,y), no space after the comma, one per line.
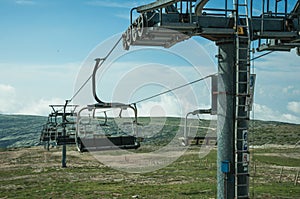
(196,112)
(102,104)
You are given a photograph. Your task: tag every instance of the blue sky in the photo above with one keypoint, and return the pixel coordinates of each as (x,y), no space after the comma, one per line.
(43,45)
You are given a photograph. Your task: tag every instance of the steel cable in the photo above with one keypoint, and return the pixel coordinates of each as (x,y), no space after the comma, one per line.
(89,78)
(176,88)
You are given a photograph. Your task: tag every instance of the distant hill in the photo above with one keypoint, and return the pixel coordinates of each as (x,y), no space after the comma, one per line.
(20,130)
(274,133)
(24,131)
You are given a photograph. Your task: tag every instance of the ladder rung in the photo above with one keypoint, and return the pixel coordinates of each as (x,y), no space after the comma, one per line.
(242,105)
(243,118)
(242,151)
(243,59)
(245,197)
(242,185)
(244,161)
(242,94)
(244,48)
(242,128)
(243,37)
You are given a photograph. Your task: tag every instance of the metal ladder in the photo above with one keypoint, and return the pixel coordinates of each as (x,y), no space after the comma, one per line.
(242,110)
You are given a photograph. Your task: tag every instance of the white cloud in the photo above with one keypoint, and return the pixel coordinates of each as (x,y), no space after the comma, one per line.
(7,98)
(294,107)
(283,62)
(277,84)
(291,90)
(6,89)
(166,106)
(25,2)
(38,81)
(290,118)
(126,5)
(263,112)
(287,89)
(114,4)
(169,106)
(40,107)
(35,87)
(10,103)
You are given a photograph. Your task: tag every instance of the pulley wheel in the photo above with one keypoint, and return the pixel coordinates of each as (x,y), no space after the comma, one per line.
(125,44)
(128,36)
(134,34)
(140,26)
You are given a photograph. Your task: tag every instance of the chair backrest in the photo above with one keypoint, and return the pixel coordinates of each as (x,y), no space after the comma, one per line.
(199,5)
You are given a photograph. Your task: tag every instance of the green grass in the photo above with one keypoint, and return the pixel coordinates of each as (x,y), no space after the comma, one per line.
(277,190)
(99,181)
(274,133)
(187,177)
(279,161)
(36,173)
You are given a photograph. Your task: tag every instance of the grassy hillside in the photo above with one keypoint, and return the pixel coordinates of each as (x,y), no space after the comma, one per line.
(274,133)
(23,131)
(20,130)
(37,173)
(34,172)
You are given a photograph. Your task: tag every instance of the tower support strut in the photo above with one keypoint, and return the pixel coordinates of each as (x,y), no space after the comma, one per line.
(226,112)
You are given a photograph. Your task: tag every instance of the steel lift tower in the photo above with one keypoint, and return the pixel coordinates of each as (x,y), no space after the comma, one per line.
(233,28)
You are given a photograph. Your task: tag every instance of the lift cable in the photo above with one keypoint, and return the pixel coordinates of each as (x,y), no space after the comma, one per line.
(162,93)
(176,88)
(82,86)
(89,78)
(142,100)
(253,124)
(267,53)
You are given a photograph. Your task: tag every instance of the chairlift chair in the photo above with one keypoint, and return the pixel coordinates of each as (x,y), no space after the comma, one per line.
(94,139)
(94,133)
(197,140)
(52,131)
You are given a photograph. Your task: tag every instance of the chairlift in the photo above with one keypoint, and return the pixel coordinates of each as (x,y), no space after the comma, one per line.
(49,131)
(197,140)
(96,133)
(52,132)
(92,135)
